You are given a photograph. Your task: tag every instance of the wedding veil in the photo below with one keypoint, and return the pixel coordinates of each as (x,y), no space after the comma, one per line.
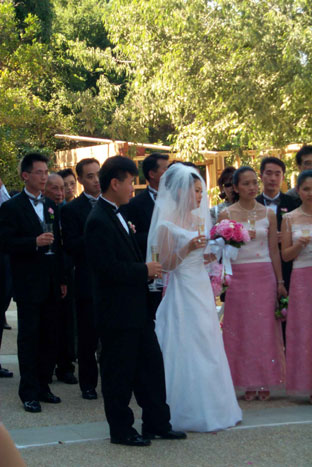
(175,210)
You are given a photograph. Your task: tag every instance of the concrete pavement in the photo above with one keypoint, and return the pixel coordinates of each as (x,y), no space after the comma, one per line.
(75,432)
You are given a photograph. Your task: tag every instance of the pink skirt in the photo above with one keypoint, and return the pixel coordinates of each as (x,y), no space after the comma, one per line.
(252,336)
(299,333)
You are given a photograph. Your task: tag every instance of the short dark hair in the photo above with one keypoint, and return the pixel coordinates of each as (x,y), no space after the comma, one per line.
(30,158)
(272,160)
(304,151)
(83,162)
(116,167)
(66,173)
(190,164)
(303,176)
(151,162)
(225,175)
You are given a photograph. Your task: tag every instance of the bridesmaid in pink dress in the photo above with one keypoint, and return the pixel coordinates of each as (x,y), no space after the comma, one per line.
(297,247)
(252,336)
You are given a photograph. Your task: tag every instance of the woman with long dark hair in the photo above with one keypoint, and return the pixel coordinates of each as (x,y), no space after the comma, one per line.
(252,336)
(297,247)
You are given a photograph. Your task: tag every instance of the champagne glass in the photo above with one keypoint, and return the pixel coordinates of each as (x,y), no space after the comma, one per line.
(155,257)
(252,222)
(305,232)
(201,227)
(48,227)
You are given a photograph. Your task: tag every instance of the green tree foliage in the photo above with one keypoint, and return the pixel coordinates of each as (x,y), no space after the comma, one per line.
(232,73)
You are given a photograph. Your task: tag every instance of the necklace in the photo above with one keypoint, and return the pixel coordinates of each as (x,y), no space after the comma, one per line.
(305,213)
(247,210)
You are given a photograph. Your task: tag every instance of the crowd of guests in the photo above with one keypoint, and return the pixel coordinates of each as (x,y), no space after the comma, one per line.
(79,289)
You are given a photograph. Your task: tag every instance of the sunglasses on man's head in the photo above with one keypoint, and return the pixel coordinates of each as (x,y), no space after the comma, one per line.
(228,185)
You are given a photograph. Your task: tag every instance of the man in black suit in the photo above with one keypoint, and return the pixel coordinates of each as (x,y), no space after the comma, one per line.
(304,162)
(140,210)
(272,172)
(64,371)
(37,278)
(73,220)
(131,359)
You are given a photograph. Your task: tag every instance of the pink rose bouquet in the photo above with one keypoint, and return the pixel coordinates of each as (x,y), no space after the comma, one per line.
(232,232)
(225,239)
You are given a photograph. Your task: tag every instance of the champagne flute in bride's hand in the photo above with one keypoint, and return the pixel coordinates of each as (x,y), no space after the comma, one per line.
(201,227)
(48,228)
(155,257)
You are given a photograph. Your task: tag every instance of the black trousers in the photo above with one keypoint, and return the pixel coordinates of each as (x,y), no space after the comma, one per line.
(87,345)
(36,346)
(131,362)
(5,289)
(66,332)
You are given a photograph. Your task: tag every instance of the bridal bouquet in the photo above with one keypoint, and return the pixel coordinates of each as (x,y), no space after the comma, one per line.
(281,309)
(225,239)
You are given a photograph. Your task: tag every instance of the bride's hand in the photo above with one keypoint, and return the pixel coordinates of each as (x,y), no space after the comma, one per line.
(209,258)
(197,242)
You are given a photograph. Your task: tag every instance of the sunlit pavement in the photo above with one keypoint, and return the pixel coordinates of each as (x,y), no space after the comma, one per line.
(75,432)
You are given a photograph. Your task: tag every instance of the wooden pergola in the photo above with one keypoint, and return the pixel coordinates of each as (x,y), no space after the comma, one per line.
(211,167)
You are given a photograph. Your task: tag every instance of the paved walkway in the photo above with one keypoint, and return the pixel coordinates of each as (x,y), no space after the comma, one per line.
(75,432)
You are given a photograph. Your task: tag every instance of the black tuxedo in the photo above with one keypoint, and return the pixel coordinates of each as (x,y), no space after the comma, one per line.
(36,281)
(139,211)
(286,204)
(73,219)
(131,358)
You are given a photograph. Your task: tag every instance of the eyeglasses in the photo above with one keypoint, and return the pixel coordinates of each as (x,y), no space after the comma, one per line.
(228,185)
(40,173)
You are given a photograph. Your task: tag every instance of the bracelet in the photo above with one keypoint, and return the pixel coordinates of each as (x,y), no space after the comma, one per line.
(280,282)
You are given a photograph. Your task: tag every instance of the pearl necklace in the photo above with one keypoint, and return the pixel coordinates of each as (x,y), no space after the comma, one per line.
(247,210)
(305,213)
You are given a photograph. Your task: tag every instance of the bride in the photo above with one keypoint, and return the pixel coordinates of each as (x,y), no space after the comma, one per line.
(199,387)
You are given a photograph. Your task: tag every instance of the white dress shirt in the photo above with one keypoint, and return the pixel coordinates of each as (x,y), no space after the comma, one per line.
(272,206)
(122,220)
(4,195)
(39,208)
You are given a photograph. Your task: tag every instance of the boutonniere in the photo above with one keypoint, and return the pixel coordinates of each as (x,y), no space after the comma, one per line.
(132,227)
(284,211)
(51,212)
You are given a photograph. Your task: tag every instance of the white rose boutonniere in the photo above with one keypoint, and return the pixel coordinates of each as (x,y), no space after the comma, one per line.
(132,227)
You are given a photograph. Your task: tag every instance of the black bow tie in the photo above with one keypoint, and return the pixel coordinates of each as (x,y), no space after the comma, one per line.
(272,201)
(36,201)
(92,201)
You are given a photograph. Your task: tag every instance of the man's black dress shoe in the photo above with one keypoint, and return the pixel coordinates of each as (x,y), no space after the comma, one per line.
(32,406)
(68,378)
(49,397)
(7,326)
(89,394)
(4,373)
(131,440)
(170,434)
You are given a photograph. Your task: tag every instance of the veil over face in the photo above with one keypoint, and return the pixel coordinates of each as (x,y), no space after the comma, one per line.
(178,206)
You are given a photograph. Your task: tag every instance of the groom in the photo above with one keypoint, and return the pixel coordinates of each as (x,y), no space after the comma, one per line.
(131,359)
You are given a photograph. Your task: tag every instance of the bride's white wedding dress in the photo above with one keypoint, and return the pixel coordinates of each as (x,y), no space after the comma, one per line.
(199,386)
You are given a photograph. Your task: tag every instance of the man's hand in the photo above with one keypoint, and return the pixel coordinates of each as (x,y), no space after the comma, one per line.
(45,239)
(154,270)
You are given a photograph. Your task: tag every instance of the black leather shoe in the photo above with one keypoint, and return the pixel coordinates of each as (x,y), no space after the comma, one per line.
(170,434)
(132,440)
(68,378)
(7,326)
(49,398)
(32,406)
(89,394)
(4,373)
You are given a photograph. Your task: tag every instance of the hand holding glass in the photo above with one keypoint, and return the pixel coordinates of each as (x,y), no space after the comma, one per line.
(48,228)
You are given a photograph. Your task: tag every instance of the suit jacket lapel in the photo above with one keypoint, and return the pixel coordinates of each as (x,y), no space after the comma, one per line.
(30,213)
(127,237)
